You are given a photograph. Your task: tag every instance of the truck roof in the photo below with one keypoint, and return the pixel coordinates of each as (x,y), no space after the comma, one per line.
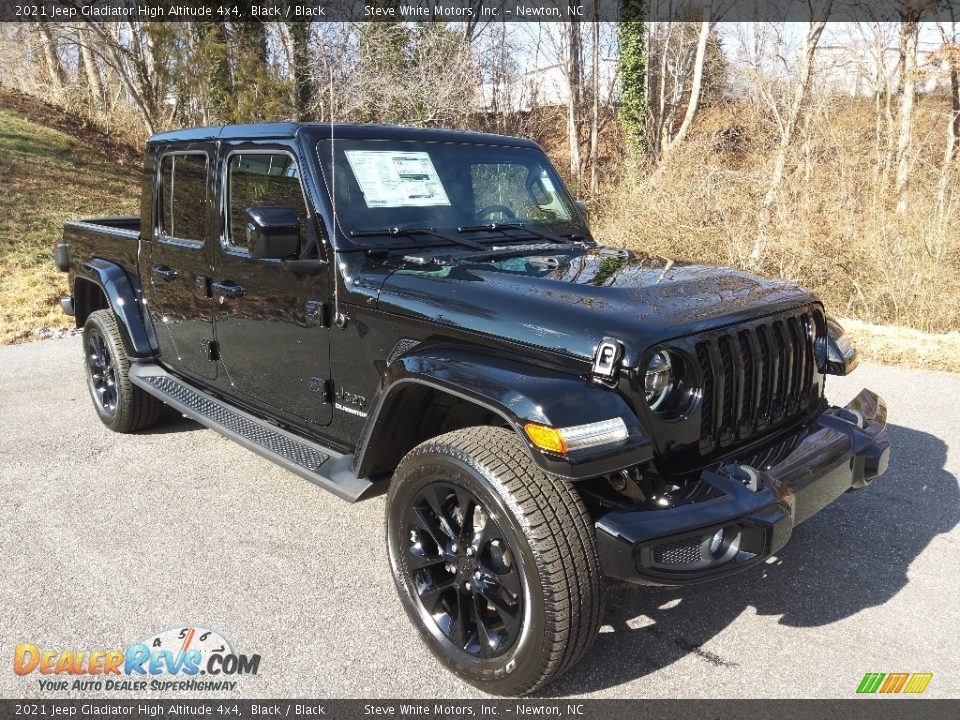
(339,130)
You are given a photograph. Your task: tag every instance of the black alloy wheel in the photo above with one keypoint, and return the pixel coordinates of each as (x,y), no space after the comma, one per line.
(121,405)
(494,561)
(102,374)
(465,572)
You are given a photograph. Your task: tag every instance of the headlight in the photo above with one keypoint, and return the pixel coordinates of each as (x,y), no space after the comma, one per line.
(837,354)
(658,379)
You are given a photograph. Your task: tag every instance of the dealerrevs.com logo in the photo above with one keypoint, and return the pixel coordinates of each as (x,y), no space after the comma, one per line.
(191,658)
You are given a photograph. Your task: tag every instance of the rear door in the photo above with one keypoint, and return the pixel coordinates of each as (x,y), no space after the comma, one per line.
(270,323)
(179,264)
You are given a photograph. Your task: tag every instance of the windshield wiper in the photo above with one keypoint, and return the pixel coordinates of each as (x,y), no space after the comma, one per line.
(502,227)
(407,232)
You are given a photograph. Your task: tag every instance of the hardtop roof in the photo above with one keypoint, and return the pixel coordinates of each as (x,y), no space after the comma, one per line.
(319,131)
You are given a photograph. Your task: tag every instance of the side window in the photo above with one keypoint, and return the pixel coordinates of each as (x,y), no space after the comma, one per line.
(262,179)
(183,196)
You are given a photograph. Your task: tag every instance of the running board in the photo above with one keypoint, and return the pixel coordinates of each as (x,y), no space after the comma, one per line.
(327,468)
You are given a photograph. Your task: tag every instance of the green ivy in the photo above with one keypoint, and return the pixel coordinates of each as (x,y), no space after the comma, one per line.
(633,72)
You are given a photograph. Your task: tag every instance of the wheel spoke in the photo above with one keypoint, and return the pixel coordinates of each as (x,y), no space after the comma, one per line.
(482,536)
(420,517)
(431,594)
(466,504)
(458,626)
(435,497)
(419,561)
(509,580)
(510,615)
(487,639)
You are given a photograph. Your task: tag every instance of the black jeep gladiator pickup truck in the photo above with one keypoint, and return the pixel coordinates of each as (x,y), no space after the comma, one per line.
(426,311)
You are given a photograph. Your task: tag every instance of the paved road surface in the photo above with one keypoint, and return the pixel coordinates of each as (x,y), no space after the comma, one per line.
(105,539)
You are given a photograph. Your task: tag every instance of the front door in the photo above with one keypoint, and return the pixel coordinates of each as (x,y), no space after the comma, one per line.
(178,260)
(270,323)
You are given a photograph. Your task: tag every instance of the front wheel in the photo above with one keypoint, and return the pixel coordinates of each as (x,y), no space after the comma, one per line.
(495,562)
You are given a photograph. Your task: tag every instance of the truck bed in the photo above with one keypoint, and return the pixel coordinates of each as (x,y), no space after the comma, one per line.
(113,238)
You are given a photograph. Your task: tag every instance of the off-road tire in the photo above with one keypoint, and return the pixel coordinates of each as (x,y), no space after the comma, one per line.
(543,519)
(133,408)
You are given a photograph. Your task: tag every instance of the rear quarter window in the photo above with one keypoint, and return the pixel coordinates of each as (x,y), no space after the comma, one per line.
(182,196)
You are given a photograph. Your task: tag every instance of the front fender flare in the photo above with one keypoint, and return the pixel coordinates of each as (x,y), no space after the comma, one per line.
(518,392)
(123,299)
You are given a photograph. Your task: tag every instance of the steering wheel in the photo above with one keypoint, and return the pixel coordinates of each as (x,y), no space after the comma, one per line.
(490,209)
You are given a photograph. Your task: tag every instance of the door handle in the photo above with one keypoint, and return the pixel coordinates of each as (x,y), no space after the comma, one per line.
(167,273)
(226,290)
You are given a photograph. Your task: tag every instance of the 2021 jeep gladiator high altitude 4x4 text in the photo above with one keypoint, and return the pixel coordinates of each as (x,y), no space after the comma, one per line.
(427,310)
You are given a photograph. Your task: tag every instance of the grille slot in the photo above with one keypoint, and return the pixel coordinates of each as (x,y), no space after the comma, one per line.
(754,378)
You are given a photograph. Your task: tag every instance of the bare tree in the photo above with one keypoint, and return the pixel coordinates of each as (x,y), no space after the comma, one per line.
(909,30)
(574,74)
(693,102)
(950,56)
(595,110)
(788,125)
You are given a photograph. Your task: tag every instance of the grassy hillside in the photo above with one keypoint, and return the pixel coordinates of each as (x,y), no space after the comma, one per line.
(53,168)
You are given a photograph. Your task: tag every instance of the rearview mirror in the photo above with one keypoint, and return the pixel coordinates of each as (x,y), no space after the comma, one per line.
(273,231)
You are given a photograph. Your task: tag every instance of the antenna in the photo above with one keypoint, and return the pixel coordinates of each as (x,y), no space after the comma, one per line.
(338,319)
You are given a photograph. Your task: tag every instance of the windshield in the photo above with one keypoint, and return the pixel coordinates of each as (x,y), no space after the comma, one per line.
(380,184)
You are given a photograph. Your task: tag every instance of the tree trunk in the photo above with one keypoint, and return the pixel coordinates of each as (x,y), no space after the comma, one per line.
(788,129)
(595,115)
(90,69)
(909,29)
(574,82)
(300,60)
(953,126)
(118,59)
(693,103)
(56,75)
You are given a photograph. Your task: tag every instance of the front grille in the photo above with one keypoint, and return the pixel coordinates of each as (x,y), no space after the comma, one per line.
(755,378)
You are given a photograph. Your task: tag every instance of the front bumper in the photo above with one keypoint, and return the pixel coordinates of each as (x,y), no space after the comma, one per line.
(844,449)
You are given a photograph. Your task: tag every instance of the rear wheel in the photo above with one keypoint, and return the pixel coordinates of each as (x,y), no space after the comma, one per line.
(494,561)
(121,405)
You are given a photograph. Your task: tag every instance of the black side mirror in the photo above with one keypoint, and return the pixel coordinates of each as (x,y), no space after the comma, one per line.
(273,231)
(584,211)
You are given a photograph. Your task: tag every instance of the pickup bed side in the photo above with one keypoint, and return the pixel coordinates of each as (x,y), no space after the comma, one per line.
(101,257)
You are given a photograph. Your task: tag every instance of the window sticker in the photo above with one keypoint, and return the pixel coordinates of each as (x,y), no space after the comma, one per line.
(393,178)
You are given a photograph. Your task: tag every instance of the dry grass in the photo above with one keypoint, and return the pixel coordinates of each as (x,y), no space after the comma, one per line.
(833,227)
(54,168)
(895,345)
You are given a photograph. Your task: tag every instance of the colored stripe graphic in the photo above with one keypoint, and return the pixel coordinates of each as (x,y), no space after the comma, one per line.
(895,682)
(918,682)
(870,683)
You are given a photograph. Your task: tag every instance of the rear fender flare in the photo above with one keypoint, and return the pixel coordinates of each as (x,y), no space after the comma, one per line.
(123,297)
(517,392)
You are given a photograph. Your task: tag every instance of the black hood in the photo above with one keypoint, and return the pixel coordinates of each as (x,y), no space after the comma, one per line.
(568,303)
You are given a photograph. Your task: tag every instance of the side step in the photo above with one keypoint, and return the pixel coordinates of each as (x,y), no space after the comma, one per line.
(327,468)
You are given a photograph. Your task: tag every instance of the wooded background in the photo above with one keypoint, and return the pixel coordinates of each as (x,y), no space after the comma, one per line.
(817,152)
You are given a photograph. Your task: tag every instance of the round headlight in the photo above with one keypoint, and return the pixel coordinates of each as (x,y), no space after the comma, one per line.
(658,380)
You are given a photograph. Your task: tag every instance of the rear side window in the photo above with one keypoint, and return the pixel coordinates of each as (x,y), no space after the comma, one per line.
(183,196)
(262,179)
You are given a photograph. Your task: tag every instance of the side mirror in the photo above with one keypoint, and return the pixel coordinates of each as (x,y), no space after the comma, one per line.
(273,232)
(584,211)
